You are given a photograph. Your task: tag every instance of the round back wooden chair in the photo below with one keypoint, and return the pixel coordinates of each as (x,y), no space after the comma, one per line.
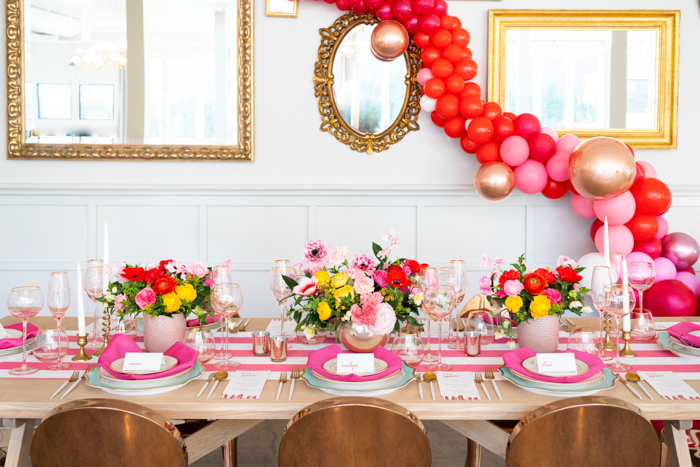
(584,431)
(354,432)
(106,433)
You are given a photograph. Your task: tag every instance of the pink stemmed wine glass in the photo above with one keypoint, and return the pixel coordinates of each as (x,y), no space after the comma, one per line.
(227,300)
(222,275)
(615,298)
(58,300)
(439,302)
(24,303)
(92,284)
(429,277)
(641,276)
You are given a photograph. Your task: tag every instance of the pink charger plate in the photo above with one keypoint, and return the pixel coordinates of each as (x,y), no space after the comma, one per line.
(319,357)
(514,360)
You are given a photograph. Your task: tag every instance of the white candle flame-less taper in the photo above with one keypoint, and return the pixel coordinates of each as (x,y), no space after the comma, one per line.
(606,244)
(626,325)
(81,306)
(105,259)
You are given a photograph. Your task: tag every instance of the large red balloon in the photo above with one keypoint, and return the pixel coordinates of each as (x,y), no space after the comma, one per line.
(466,68)
(643,226)
(652,247)
(471,90)
(542,147)
(471,107)
(447,106)
(502,128)
(652,196)
(480,130)
(671,298)
(488,152)
(527,125)
(454,127)
(597,223)
(554,189)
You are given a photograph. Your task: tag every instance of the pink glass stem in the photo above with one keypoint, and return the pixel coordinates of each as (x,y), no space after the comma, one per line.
(24,345)
(94,322)
(227,356)
(282,319)
(617,341)
(641,301)
(439,362)
(58,328)
(427,354)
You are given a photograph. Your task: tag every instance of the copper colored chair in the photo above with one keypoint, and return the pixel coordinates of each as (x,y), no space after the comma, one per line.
(106,433)
(583,432)
(354,432)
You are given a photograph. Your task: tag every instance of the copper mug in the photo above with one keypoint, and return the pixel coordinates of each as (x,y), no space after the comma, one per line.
(261,343)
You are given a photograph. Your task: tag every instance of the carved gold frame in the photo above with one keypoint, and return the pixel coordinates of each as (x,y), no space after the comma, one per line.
(665,22)
(17,148)
(332,121)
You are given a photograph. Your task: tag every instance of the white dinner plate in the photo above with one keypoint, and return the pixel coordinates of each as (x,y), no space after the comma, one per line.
(115,383)
(681,346)
(118,366)
(12,334)
(530,364)
(331,366)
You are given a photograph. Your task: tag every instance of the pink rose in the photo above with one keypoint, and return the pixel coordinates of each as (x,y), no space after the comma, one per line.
(337,256)
(306,287)
(513,288)
(553,295)
(380,277)
(564,261)
(364,285)
(209,282)
(146,297)
(500,294)
(576,288)
(384,320)
(198,269)
(120,302)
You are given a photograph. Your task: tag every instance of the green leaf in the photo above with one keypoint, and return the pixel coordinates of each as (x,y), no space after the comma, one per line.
(376,248)
(291,283)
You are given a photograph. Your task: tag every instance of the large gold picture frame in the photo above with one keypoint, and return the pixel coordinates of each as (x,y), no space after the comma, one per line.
(17,148)
(665,22)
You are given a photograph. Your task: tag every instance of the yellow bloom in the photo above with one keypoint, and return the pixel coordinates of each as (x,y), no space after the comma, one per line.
(540,306)
(339,280)
(324,311)
(186,292)
(344,291)
(172,302)
(514,304)
(323,277)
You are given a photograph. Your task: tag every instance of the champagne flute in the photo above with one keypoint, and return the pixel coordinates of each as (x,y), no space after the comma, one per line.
(222,275)
(641,276)
(281,291)
(58,300)
(92,284)
(457,279)
(227,300)
(286,265)
(439,302)
(24,303)
(619,300)
(600,279)
(462,266)
(428,277)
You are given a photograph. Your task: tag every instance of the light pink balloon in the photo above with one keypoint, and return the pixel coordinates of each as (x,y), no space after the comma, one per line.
(568,143)
(620,238)
(619,209)
(663,228)
(665,269)
(551,133)
(583,206)
(530,177)
(427,104)
(514,150)
(424,75)
(649,169)
(690,280)
(558,166)
(638,257)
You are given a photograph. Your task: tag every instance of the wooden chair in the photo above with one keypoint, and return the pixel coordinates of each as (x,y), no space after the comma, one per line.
(106,433)
(354,431)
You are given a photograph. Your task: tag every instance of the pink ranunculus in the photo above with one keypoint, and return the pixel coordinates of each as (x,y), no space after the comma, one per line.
(198,269)
(316,252)
(576,288)
(553,295)
(145,297)
(120,302)
(306,287)
(385,319)
(365,316)
(564,261)
(364,285)
(380,277)
(337,256)
(151,266)
(485,284)
(500,293)
(371,299)
(513,288)
(209,282)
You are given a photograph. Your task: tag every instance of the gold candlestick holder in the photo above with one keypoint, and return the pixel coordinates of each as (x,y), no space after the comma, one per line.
(82,356)
(106,324)
(608,344)
(626,351)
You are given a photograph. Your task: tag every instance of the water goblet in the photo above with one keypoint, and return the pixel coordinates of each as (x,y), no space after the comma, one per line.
(484,324)
(641,275)
(227,300)
(50,344)
(409,346)
(202,341)
(222,275)
(599,279)
(427,278)
(439,302)
(643,326)
(455,277)
(583,339)
(92,284)
(281,291)
(619,300)
(24,303)
(58,301)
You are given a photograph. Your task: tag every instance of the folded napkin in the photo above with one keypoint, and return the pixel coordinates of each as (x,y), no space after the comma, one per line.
(192,323)
(120,344)
(681,332)
(7,343)
(319,357)
(514,360)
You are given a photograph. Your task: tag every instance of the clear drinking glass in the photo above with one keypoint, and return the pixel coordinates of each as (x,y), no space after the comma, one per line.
(457,278)
(222,275)
(281,291)
(409,346)
(58,301)
(583,339)
(599,279)
(428,277)
(24,303)
(439,302)
(227,300)
(126,326)
(484,323)
(48,342)
(92,284)
(203,342)
(643,326)
(615,298)
(641,276)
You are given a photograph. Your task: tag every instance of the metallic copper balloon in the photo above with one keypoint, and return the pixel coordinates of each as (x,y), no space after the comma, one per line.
(602,168)
(681,249)
(389,41)
(494,180)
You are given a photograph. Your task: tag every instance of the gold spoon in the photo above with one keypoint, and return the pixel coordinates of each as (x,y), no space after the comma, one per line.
(633,377)
(430,377)
(218,376)
(211,377)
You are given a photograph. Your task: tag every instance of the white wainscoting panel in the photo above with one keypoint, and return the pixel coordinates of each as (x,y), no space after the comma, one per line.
(560,232)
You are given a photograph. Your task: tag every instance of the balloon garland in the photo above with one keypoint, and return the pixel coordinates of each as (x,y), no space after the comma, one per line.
(516,151)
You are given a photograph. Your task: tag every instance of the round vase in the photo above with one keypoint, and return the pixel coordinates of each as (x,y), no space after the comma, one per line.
(541,335)
(359,338)
(161,332)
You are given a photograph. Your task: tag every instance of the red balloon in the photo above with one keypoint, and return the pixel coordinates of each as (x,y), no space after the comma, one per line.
(329,1)
(502,128)
(689,269)
(458,22)
(466,68)
(429,55)
(423,7)
(671,298)
(554,189)
(437,120)
(440,7)
(452,52)
(385,12)
(527,125)
(434,88)
(429,24)
(651,247)
(571,187)
(471,90)
(641,173)
(480,130)
(460,37)
(454,127)
(412,24)
(342,6)
(492,110)
(630,148)
(467,53)
(454,84)
(597,223)
(471,107)
(489,152)
(652,196)
(468,145)
(447,106)
(442,38)
(542,147)
(442,68)
(643,226)
(447,22)
(421,39)
(510,115)
(352,3)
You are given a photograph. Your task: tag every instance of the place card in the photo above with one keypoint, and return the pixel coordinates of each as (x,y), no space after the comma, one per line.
(357,363)
(143,361)
(245,385)
(557,364)
(289,327)
(457,386)
(669,385)
(3,333)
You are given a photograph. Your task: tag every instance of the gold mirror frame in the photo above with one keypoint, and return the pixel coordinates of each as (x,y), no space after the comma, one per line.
(665,22)
(17,148)
(332,121)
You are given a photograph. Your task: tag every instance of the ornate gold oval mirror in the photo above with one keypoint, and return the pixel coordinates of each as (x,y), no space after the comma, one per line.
(365,103)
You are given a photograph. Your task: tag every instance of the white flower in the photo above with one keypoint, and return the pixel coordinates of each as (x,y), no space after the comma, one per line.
(575,304)
(484,261)
(309,332)
(499,334)
(511,344)
(231,324)
(586,309)
(151,266)
(417,298)
(347,316)
(110,298)
(389,235)
(114,290)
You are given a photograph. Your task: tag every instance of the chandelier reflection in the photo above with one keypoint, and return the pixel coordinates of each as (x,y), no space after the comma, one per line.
(100,54)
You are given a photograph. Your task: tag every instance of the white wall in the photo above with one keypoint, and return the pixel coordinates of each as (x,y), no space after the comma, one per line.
(305,184)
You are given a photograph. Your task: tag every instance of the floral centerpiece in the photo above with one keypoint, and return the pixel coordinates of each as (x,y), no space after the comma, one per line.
(360,296)
(534,299)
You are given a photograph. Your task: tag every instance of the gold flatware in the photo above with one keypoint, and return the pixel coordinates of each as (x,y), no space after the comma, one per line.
(624,381)
(242,328)
(218,376)
(295,375)
(430,377)
(633,377)
(206,383)
(488,373)
(478,379)
(420,388)
(283,379)
(571,323)
(73,378)
(87,370)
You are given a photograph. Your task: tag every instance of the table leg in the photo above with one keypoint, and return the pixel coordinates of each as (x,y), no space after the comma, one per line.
(20,441)
(230,450)
(217,434)
(677,441)
(484,433)
(473,454)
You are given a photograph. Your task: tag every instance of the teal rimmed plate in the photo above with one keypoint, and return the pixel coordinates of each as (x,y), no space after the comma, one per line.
(391,385)
(678,350)
(95,382)
(536,388)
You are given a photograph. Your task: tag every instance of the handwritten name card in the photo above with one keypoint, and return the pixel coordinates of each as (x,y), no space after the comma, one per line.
(143,361)
(357,363)
(559,364)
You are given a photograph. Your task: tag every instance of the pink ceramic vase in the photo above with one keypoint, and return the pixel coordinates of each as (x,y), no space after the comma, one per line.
(161,332)
(541,335)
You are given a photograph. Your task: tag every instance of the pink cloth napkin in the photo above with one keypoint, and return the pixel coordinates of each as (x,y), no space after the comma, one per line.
(319,357)
(680,331)
(191,323)
(32,331)
(514,360)
(120,344)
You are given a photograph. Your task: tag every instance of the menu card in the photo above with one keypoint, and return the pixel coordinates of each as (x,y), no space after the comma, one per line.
(246,385)
(457,386)
(669,385)
(289,327)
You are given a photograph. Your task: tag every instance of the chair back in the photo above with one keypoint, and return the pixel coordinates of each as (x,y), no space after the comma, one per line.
(477,303)
(354,432)
(106,433)
(584,431)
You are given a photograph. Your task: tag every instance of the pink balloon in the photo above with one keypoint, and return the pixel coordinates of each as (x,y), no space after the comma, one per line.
(424,75)
(514,150)
(649,169)
(619,209)
(440,8)
(386,12)
(582,206)
(429,24)
(665,269)
(638,257)
(424,7)
(690,280)
(403,9)
(412,24)
(670,298)
(558,166)
(620,238)
(568,143)
(551,133)
(531,177)
(663,228)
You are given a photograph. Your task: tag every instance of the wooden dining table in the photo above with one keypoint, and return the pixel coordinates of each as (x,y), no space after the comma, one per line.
(24,400)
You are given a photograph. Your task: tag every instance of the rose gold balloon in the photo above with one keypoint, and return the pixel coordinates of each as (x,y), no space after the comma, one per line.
(389,41)
(602,168)
(494,180)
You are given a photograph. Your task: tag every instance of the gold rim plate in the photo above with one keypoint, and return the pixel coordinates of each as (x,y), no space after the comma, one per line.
(331,366)
(530,364)
(118,366)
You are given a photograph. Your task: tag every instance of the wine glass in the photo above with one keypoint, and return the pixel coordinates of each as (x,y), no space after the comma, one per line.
(619,300)
(227,300)
(23,303)
(222,275)
(409,346)
(457,278)
(600,279)
(58,300)
(439,302)
(124,325)
(641,276)
(281,290)
(643,326)
(92,284)
(583,339)
(202,341)
(428,278)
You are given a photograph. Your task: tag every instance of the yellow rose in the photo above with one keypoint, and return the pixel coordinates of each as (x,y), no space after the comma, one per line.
(339,280)
(172,302)
(540,306)
(514,304)
(186,292)
(344,291)
(324,311)
(323,277)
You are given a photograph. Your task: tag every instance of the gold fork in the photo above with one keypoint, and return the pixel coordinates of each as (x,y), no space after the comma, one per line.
(478,379)
(488,373)
(283,379)
(87,370)
(296,374)
(73,378)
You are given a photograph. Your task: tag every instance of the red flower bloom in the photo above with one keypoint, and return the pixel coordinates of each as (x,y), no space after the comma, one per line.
(547,274)
(133,274)
(164,285)
(535,283)
(510,275)
(415,266)
(568,274)
(164,263)
(153,275)
(398,278)
(394,267)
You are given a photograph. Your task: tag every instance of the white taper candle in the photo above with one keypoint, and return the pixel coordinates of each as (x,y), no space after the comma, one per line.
(81,306)
(606,243)
(626,324)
